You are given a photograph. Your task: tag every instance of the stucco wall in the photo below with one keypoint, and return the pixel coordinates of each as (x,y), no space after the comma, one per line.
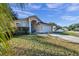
(41,28)
(22,24)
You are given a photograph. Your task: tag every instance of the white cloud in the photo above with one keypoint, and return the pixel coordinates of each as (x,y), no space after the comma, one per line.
(34,6)
(53,5)
(23,14)
(70,18)
(73,7)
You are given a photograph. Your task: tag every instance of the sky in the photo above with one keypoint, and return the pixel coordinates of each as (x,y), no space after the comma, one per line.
(63,14)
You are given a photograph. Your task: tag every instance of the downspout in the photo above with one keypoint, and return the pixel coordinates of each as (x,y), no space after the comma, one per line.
(30,26)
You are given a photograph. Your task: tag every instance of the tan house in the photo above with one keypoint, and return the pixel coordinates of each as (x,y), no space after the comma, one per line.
(33,24)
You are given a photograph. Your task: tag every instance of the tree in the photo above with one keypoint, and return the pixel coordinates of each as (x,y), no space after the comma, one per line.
(52,24)
(74,27)
(55,25)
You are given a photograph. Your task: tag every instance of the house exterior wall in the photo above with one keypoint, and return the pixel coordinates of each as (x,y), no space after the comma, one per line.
(22,24)
(36,26)
(43,28)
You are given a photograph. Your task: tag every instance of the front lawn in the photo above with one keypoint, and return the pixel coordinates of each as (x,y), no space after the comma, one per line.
(32,45)
(73,33)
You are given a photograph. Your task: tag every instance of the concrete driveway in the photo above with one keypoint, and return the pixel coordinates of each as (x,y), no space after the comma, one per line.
(67,37)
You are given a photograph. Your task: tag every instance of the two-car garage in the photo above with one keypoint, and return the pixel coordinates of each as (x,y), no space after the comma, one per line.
(43,28)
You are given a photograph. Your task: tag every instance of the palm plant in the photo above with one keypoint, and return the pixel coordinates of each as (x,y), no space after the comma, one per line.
(6,27)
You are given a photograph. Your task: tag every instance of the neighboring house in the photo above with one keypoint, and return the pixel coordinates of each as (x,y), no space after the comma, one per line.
(54,28)
(76,29)
(33,24)
(60,30)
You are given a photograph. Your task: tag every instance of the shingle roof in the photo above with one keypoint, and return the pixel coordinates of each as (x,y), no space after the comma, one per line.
(40,21)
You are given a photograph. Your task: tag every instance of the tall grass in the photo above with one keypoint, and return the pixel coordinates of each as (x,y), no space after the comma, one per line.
(6,27)
(33,45)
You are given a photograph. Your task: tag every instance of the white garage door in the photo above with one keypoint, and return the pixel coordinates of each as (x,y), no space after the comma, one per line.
(42,28)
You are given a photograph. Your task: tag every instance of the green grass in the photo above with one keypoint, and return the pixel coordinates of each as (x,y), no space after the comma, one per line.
(42,46)
(73,33)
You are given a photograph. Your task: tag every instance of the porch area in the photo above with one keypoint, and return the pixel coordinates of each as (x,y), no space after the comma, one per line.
(26,27)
